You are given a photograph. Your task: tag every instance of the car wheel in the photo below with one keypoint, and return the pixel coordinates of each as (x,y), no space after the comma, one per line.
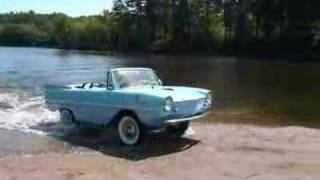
(130,131)
(66,117)
(179,129)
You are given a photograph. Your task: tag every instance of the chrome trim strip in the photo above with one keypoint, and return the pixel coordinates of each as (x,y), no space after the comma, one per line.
(58,102)
(184,102)
(172,121)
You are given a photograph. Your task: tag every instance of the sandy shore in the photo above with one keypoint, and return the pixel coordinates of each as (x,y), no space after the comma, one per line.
(215,151)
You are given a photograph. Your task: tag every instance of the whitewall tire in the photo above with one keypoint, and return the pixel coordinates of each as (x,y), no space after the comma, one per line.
(130,131)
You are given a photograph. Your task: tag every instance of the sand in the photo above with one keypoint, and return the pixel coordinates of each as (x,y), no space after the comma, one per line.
(215,151)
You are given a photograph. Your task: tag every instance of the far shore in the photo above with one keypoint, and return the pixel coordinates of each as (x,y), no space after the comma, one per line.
(272,56)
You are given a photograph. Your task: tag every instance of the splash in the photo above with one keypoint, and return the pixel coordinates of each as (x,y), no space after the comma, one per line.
(23,112)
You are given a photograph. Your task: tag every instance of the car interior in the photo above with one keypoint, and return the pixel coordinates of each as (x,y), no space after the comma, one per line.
(90,85)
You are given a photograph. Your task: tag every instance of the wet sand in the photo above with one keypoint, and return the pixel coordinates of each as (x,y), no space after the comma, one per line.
(215,151)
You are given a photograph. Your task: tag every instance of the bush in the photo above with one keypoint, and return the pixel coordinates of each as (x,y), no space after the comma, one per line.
(22,34)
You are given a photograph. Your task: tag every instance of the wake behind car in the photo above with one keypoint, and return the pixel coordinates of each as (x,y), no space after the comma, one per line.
(134,100)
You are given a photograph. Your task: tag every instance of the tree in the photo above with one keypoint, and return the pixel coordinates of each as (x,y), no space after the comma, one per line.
(62,32)
(181,24)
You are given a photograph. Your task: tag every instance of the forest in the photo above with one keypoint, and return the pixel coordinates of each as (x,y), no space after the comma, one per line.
(266,27)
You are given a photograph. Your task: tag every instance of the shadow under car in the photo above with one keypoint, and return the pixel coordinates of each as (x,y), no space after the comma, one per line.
(106,142)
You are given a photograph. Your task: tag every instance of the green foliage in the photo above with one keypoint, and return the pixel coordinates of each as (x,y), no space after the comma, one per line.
(174,25)
(22,34)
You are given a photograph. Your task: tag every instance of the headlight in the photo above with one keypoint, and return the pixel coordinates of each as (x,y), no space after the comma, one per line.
(168,105)
(209,99)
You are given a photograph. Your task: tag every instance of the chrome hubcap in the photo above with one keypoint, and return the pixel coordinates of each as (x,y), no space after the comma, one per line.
(128,130)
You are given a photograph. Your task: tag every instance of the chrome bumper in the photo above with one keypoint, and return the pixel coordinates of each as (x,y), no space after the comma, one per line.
(173,121)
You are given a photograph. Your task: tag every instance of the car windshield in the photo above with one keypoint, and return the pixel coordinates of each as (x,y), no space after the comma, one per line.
(135,77)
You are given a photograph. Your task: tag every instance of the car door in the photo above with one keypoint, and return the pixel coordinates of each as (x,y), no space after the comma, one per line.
(99,105)
(112,99)
(89,105)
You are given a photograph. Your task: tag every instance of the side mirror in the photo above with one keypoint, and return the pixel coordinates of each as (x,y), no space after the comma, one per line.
(160,82)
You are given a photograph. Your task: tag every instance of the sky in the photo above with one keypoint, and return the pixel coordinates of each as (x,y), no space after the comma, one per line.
(69,7)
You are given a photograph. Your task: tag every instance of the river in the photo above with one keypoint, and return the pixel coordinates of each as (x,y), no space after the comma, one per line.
(245,89)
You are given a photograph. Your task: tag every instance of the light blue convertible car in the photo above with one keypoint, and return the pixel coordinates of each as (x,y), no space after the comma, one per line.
(134,100)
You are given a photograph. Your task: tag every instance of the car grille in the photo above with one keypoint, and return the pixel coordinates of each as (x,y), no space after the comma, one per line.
(190,107)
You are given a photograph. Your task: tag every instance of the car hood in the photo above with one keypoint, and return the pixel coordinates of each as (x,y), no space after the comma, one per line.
(177,93)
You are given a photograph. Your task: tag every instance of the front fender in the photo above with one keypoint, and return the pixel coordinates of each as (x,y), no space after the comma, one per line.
(147,108)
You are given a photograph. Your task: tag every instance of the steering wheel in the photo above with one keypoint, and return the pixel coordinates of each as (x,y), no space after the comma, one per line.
(99,85)
(87,83)
(147,82)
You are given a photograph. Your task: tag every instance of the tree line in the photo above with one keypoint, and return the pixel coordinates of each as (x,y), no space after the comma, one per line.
(230,26)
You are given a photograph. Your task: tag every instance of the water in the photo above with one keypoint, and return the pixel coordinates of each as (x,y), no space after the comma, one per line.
(281,90)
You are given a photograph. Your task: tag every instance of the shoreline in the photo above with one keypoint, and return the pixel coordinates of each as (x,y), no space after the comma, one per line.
(264,56)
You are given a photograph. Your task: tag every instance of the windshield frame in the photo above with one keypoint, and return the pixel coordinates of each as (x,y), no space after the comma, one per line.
(118,86)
